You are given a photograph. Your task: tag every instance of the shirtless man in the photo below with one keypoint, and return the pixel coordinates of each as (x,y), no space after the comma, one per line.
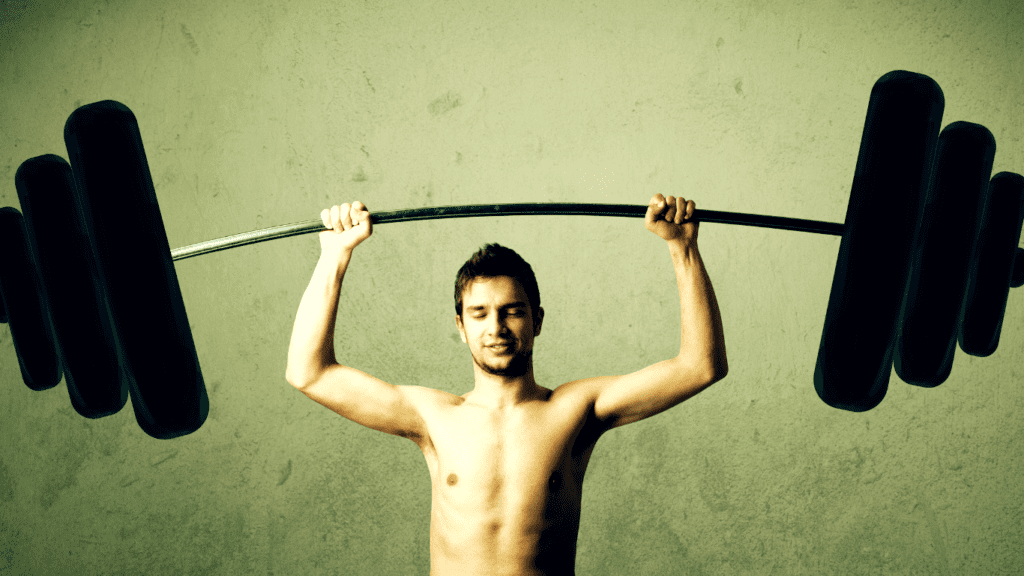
(506,459)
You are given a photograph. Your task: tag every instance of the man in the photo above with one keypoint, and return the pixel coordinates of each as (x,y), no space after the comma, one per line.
(506,459)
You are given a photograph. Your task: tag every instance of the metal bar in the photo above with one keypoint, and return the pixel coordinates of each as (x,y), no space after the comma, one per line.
(525,209)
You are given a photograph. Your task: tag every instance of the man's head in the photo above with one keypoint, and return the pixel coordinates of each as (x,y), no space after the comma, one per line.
(497,310)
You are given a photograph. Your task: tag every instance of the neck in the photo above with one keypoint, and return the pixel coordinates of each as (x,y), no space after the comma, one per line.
(499,392)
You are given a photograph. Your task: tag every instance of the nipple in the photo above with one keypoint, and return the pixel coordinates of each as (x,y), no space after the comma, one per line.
(453,479)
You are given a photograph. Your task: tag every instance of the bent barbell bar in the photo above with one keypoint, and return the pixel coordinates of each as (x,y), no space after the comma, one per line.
(521,209)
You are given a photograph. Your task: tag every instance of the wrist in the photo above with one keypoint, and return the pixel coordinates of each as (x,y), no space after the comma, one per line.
(681,245)
(334,262)
(336,256)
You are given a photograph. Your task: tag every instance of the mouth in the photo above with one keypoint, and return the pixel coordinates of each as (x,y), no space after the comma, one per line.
(503,348)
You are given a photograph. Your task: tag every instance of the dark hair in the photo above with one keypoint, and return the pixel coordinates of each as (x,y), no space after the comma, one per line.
(495,260)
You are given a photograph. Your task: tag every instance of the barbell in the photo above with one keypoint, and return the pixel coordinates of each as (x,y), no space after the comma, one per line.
(927,257)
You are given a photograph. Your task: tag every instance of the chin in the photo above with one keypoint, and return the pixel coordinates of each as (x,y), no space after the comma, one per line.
(511,371)
(516,366)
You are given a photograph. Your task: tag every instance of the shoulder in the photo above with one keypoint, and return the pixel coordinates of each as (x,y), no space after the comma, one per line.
(430,405)
(574,403)
(583,391)
(425,398)
(578,397)
(582,396)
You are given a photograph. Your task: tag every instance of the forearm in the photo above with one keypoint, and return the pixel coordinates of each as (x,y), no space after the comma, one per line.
(702,337)
(311,349)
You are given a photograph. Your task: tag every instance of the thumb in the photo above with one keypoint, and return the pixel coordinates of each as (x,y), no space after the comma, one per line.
(362,216)
(654,209)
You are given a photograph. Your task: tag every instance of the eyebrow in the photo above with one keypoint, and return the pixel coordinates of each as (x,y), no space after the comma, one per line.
(502,307)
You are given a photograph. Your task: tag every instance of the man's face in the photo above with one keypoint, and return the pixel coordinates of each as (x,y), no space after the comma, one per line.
(497,323)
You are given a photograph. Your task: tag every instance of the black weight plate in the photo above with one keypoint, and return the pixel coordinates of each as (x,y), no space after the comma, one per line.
(78,305)
(929,320)
(893,165)
(121,215)
(27,314)
(992,265)
(3,309)
(1017,280)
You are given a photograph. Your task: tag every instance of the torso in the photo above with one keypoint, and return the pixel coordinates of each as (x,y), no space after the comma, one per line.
(507,486)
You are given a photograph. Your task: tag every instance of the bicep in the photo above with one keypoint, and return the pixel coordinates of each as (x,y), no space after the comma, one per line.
(369,401)
(620,400)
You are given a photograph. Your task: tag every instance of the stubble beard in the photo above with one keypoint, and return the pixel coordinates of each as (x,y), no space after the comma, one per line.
(517,366)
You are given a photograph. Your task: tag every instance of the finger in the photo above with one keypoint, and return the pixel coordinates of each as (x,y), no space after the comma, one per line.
(336,219)
(690,207)
(346,215)
(670,214)
(326,217)
(681,205)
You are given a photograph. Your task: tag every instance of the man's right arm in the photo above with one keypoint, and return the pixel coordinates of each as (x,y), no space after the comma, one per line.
(312,367)
(311,350)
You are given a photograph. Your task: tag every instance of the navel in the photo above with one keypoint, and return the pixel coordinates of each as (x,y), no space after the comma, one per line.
(453,479)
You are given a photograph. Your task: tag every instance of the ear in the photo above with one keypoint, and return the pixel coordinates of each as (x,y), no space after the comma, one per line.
(537,321)
(461,328)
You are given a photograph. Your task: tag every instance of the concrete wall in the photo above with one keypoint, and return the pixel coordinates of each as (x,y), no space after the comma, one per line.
(259,113)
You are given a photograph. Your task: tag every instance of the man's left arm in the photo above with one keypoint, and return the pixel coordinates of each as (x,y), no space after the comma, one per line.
(701,361)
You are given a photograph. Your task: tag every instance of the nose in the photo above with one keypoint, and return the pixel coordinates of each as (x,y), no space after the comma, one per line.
(496,325)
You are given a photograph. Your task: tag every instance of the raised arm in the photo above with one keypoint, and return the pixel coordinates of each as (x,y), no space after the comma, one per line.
(701,360)
(312,367)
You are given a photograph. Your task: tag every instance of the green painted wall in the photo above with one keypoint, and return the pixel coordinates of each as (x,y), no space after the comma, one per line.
(258,113)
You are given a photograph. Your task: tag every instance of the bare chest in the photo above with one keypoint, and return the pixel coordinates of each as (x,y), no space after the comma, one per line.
(485,462)
(507,486)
